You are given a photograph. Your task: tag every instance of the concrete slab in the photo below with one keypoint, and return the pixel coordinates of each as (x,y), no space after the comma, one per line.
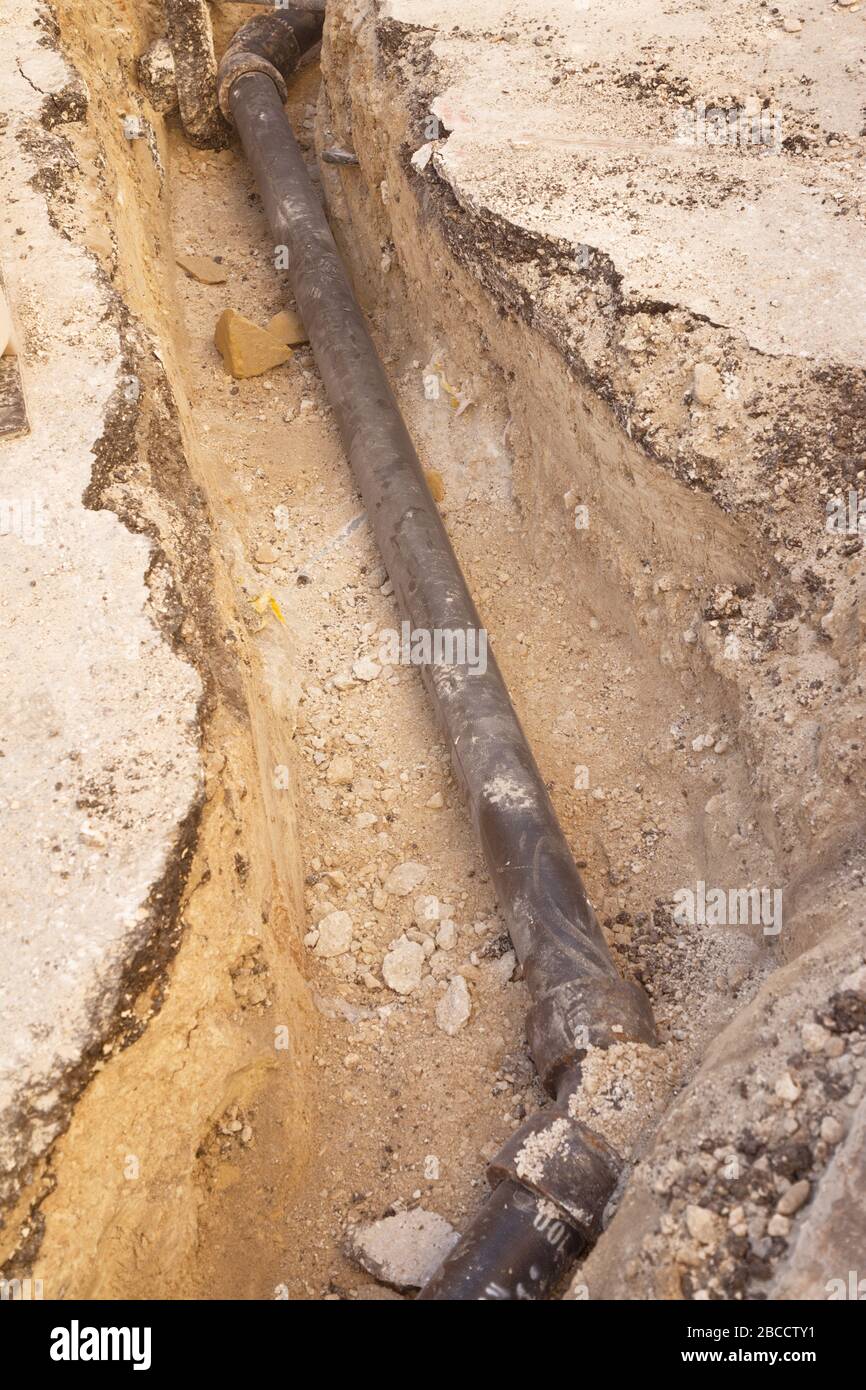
(712,156)
(100,762)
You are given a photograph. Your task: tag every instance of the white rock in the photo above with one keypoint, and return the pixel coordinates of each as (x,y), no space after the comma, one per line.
(335,935)
(427,908)
(454,1007)
(500,971)
(402,1250)
(402,966)
(365,669)
(340,770)
(703,1225)
(435,802)
(404,879)
(786,1088)
(446,936)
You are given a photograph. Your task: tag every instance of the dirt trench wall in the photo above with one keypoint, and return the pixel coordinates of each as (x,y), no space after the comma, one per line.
(697,556)
(212,1008)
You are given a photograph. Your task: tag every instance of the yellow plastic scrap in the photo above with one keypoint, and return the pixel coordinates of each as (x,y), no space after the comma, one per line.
(265,602)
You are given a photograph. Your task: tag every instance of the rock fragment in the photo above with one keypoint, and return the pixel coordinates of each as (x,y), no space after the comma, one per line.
(403,1250)
(405,879)
(203,268)
(454,1007)
(402,966)
(247,350)
(335,935)
(287,328)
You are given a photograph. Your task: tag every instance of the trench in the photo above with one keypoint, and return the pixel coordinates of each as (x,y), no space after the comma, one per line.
(278,1097)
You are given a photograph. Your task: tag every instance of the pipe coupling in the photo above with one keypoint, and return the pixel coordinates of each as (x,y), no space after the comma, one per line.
(590,1010)
(265,45)
(564,1161)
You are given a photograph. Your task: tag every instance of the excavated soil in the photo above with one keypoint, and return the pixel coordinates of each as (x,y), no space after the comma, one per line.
(278,1096)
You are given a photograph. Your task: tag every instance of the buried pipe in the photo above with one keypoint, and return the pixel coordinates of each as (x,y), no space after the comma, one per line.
(554,1176)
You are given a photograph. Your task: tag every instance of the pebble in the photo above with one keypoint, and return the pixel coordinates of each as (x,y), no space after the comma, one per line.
(266,555)
(335,935)
(446,936)
(702,1224)
(435,802)
(831,1130)
(427,908)
(814,1037)
(454,1007)
(402,1250)
(706,383)
(778,1226)
(796,1197)
(792,26)
(402,966)
(340,770)
(404,879)
(365,669)
(786,1088)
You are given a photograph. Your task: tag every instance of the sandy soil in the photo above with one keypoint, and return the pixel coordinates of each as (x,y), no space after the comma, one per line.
(278,1096)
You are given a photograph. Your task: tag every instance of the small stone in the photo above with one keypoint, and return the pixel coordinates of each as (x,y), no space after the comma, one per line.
(500,971)
(365,820)
(446,936)
(787,1089)
(203,269)
(792,26)
(814,1037)
(427,908)
(702,1225)
(831,1130)
(404,879)
(796,1197)
(402,966)
(365,669)
(435,802)
(706,383)
(266,555)
(454,1007)
(402,1250)
(335,935)
(778,1226)
(89,835)
(287,328)
(247,350)
(340,771)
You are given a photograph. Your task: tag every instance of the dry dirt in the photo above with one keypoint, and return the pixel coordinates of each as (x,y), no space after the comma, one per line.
(278,1097)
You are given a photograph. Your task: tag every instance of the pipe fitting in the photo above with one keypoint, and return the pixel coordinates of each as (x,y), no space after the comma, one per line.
(271,44)
(564,1161)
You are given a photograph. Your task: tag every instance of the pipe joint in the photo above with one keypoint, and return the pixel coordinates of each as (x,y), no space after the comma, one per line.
(271,44)
(596,1010)
(565,1162)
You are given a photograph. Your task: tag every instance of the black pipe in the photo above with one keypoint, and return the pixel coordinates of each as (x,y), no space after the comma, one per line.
(518,1247)
(578,997)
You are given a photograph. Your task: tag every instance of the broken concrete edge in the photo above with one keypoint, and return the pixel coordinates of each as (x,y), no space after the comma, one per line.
(177,567)
(495,250)
(755,1075)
